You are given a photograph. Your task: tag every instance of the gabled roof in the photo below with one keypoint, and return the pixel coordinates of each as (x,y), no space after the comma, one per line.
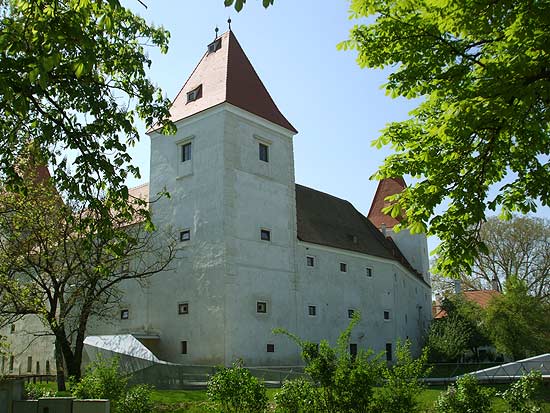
(227,75)
(479,297)
(326,220)
(386,187)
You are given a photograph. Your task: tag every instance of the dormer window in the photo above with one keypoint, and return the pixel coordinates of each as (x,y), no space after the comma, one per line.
(194,94)
(215,46)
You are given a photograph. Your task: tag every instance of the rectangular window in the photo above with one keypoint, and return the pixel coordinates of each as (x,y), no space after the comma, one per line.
(388,352)
(215,46)
(47,366)
(124,314)
(186,152)
(369,272)
(271,348)
(184,347)
(194,94)
(312,310)
(351,312)
(310,261)
(386,315)
(29,364)
(261,307)
(264,152)
(353,349)
(183,308)
(12,362)
(37,367)
(343,267)
(265,235)
(12,328)
(185,235)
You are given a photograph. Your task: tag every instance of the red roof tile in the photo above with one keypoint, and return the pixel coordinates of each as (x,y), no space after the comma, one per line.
(227,76)
(480,297)
(386,187)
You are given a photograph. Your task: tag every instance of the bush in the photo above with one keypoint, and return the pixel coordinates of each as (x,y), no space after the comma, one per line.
(296,396)
(520,394)
(236,390)
(34,391)
(136,399)
(402,384)
(101,380)
(467,396)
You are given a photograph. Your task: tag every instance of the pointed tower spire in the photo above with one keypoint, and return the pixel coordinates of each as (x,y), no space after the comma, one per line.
(386,187)
(225,75)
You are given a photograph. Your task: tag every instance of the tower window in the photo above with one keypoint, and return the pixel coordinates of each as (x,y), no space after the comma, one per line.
(386,315)
(310,261)
(264,152)
(194,94)
(183,308)
(215,46)
(185,235)
(265,235)
(186,152)
(312,310)
(184,347)
(124,314)
(261,307)
(343,267)
(369,272)
(271,348)
(351,312)
(12,328)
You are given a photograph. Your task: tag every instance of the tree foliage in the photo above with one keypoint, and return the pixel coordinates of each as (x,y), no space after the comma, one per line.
(48,269)
(519,323)
(73,81)
(479,137)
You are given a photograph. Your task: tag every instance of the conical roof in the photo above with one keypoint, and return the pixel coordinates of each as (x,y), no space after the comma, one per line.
(226,75)
(386,188)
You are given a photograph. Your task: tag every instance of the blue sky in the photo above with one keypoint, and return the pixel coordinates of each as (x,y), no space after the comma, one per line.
(337,107)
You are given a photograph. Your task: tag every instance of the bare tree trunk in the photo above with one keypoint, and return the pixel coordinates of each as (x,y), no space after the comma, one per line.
(59,367)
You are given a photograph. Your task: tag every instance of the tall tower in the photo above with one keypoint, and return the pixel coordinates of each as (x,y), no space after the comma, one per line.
(230,173)
(413,247)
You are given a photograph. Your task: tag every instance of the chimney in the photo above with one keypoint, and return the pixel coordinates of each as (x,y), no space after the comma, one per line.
(458,287)
(495,284)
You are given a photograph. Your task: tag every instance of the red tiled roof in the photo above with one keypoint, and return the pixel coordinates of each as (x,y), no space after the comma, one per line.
(227,76)
(386,187)
(479,297)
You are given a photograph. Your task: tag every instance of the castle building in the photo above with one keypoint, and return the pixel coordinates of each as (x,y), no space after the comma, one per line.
(259,251)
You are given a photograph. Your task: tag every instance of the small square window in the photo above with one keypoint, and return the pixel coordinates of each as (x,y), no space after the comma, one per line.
(312,310)
(369,272)
(353,349)
(310,261)
(388,352)
(12,328)
(215,46)
(185,235)
(265,235)
(261,307)
(351,312)
(186,152)
(183,308)
(194,94)
(343,267)
(184,347)
(386,315)
(124,314)
(271,348)
(264,152)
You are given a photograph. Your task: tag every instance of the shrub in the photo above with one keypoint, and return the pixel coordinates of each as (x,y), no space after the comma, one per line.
(136,399)
(467,396)
(296,396)
(401,382)
(519,395)
(101,380)
(236,390)
(34,391)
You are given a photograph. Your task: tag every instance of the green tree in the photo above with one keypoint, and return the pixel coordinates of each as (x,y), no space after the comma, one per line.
(479,138)
(49,270)
(519,323)
(73,81)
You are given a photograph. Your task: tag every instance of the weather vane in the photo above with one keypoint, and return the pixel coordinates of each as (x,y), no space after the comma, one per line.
(216,30)
(229,22)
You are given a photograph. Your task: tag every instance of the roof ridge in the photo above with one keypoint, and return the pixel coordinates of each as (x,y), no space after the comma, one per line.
(325,193)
